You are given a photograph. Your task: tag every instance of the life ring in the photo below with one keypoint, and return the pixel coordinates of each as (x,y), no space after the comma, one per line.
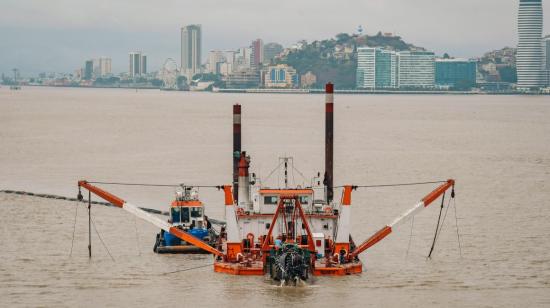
(328,210)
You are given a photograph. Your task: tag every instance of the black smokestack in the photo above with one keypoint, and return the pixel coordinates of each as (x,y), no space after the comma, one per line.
(236,148)
(329,141)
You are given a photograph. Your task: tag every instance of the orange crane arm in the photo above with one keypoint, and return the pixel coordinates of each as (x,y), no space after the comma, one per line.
(386,230)
(149,218)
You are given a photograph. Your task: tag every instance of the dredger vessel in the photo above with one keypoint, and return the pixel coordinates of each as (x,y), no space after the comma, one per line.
(288,233)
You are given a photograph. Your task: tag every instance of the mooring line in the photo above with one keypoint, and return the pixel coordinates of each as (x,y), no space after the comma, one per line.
(101,240)
(457,233)
(188,269)
(74,229)
(393,185)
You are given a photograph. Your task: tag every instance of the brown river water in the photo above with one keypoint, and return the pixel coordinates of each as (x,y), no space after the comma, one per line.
(496,147)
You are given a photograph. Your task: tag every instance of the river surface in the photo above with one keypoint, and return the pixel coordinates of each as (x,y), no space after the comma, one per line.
(496,147)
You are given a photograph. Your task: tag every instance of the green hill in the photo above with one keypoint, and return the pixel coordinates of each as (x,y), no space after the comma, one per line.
(335,59)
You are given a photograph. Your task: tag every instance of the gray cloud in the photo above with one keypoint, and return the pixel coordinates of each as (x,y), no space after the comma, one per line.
(58,35)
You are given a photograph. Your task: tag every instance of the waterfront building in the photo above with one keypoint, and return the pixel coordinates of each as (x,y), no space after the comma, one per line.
(416,69)
(138,64)
(366,61)
(271,50)
(242,59)
(104,66)
(376,68)
(386,69)
(242,79)
(547,58)
(191,41)
(229,56)
(280,76)
(88,70)
(529,60)
(459,73)
(308,79)
(257,53)
(225,68)
(215,59)
(143,64)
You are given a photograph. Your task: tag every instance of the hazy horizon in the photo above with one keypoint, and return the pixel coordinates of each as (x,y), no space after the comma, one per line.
(59,35)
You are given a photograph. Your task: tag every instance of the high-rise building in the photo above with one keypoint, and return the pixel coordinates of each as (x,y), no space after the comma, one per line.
(547,58)
(143,64)
(229,56)
(529,60)
(366,62)
(104,66)
(271,50)
(456,72)
(138,64)
(215,59)
(376,68)
(386,69)
(88,70)
(257,55)
(242,59)
(416,69)
(191,41)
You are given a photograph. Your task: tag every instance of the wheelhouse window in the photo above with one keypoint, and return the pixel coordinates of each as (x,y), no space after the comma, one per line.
(185,214)
(304,199)
(180,214)
(271,199)
(176,214)
(196,212)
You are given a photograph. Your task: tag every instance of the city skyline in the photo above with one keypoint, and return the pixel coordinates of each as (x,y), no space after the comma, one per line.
(57,36)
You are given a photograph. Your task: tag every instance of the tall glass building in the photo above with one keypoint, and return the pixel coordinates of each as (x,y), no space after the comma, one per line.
(191,41)
(376,68)
(529,59)
(386,69)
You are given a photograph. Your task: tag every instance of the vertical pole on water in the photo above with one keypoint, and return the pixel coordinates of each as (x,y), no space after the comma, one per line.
(89,224)
(236,149)
(329,140)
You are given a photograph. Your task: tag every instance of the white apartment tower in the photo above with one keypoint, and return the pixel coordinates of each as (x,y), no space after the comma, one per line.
(529,59)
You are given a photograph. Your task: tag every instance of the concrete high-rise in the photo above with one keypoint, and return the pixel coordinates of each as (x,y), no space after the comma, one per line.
(546,47)
(376,68)
(366,67)
(138,64)
(88,70)
(191,41)
(257,56)
(215,60)
(529,59)
(416,69)
(104,66)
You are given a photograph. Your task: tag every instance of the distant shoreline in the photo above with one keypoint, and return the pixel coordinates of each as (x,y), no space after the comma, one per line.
(305,91)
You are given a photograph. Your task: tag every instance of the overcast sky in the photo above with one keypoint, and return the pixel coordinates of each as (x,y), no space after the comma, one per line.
(59,35)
